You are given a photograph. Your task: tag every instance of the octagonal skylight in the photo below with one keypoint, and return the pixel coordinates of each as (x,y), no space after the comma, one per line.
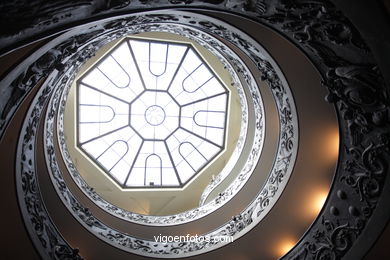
(151,113)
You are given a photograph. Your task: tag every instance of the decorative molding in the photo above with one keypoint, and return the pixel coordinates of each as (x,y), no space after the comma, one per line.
(45,236)
(357,89)
(33,18)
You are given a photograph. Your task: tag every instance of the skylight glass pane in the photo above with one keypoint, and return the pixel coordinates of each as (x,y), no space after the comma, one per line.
(191,61)
(116,75)
(111,69)
(87,132)
(210,118)
(185,171)
(208,150)
(96,79)
(99,113)
(192,155)
(95,147)
(169,177)
(196,79)
(215,134)
(120,171)
(96,114)
(158,58)
(153,170)
(154,161)
(113,154)
(189,152)
(154,115)
(157,62)
(206,118)
(136,178)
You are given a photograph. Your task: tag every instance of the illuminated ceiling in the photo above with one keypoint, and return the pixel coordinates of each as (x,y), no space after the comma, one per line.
(151,113)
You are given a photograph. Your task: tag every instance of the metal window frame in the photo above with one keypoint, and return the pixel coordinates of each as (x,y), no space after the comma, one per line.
(168,42)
